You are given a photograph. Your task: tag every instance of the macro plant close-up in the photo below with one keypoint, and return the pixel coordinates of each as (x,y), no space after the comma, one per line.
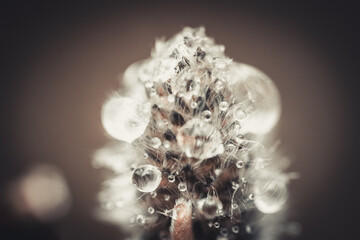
(179,120)
(194,156)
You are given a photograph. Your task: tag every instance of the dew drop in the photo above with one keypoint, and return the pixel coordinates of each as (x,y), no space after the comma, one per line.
(182,187)
(153,194)
(146,178)
(210,206)
(234,206)
(171,178)
(166,144)
(140,219)
(200,139)
(133,167)
(206,115)
(155,142)
(251,196)
(146,155)
(210,224)
(271,195)
(223,106)
(193,105)
(293,229)
(248,229)
(235,229)
(216,224)
(151,210)
(239,164)
(229,148)
(124,119)
(166,197)
(260,98)
(235,185)
(224,232)
(240,114)
(217,172)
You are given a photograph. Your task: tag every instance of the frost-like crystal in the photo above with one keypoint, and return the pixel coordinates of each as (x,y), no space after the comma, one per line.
(200,139)
(146,178)
(124,119)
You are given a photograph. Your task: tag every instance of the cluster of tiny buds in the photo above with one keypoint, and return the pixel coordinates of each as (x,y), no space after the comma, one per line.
(189,125)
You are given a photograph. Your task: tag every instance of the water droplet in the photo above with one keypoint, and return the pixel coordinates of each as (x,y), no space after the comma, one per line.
(248,229)
(166,144)
(251,196)
(271,195)
(235,229)
(153,194)
(133,167)
(206,116)
(258,96)
(193,105)
(140,219)
(210,224)
(239,164)
(146,178)
(151,210)
(293,229)
(193,215)
(210,206)
(229,148)
(167,197)
(224,232)
(235,185)
(155,142)
(216,225)
(223,106)
(240,114)
(182,187)
(234,206)
(146,155)
(125,119)
(171,178)
(200,139)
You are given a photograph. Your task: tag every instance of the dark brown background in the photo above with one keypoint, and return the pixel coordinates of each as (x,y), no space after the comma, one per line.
(61,60)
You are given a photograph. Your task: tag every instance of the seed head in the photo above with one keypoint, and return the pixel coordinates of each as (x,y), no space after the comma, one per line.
(191,130)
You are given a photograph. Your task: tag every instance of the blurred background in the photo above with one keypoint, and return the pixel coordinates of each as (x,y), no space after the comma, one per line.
(61,60)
